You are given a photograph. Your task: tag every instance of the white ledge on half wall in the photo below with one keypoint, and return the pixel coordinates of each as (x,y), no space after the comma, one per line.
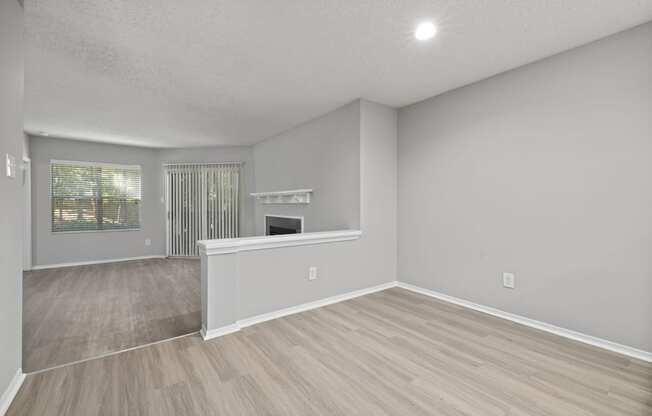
(234,245)
(295,196)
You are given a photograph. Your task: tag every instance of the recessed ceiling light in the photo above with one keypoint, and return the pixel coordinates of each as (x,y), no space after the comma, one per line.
(425,31)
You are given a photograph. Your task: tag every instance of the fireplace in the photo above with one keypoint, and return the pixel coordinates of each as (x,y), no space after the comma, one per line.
(277,224)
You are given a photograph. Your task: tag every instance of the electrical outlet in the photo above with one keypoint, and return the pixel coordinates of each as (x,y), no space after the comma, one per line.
(148,241)
(312,273)
(509,280)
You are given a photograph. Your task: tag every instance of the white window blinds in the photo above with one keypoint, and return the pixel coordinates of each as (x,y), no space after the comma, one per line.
(202,204)
(88,196)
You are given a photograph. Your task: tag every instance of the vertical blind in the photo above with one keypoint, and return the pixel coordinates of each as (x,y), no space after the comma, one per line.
(87,196)
(202,204)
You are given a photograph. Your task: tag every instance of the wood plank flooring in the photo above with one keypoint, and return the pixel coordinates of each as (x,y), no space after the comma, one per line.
(389,353)
(74,313)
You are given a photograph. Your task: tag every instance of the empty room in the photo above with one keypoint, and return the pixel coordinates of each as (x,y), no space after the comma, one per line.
(418,207)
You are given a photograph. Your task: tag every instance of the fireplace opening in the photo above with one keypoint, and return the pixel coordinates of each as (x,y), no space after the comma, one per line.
(276,225)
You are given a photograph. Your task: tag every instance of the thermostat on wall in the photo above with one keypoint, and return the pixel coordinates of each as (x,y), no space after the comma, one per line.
(11,166)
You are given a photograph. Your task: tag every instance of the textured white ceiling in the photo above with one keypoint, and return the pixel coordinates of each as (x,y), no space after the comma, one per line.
(212,72)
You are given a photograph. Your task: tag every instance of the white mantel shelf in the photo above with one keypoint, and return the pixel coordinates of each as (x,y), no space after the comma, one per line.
(295,196)
(234,245)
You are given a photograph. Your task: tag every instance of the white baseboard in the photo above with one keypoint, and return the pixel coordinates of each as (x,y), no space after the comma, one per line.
(86,263)
(243,323)
(215,333)
(563,332)
(11,391)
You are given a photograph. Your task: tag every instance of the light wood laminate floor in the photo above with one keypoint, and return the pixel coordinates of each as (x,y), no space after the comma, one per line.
(75,313)
(389,353)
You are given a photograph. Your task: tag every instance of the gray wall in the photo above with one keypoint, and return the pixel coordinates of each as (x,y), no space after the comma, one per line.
(343,266)
(543,171)
(346,266)
(11,191)
(322,154)
(222,154)
(378,194)
(55,248)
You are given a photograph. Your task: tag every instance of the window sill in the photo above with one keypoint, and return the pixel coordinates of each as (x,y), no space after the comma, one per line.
(94,231)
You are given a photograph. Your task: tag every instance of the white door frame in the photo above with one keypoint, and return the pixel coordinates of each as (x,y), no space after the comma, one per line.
(166,196)
(27,211)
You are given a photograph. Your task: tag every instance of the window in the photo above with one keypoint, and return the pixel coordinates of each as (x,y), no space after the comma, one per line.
(94,197)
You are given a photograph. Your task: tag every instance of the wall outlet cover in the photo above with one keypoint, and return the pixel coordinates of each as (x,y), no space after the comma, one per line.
(148,242)
(509,280)
(312,273)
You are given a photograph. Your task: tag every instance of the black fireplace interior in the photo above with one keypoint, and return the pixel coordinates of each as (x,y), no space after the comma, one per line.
(282,225)
(280,230)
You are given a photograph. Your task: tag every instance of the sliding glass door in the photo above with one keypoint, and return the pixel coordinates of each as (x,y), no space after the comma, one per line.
(202,203)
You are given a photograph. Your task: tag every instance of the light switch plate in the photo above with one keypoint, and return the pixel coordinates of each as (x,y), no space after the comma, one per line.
(11,166)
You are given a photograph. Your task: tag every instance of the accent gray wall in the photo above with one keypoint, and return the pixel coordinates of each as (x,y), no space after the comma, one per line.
(378,189)
(322,154)
(345,266)
(11,190)
(56,248)
(543,171)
